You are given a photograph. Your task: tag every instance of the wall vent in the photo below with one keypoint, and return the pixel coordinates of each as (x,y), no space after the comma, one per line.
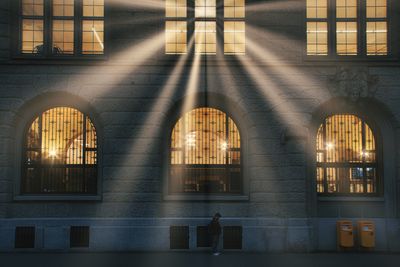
(79,236)
(179,237)
(232,237)
(25,237)
(203,237)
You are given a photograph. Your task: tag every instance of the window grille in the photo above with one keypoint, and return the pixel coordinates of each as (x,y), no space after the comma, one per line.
(346,157)
(60,154)
(205,153)
(203,237)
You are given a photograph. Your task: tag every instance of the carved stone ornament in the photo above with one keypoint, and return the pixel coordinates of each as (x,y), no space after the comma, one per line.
(353,83)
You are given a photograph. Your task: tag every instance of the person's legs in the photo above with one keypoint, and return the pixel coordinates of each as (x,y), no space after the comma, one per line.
(215,239)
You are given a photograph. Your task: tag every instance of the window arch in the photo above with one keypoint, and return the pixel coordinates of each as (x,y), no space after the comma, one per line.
(205,154)
(346,156)
(60,154)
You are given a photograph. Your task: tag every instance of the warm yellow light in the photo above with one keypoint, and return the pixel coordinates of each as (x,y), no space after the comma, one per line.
(329,146)
(224,146)
(191,139)
(53,153)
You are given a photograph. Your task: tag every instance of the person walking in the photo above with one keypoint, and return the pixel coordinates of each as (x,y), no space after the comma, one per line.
(214,229)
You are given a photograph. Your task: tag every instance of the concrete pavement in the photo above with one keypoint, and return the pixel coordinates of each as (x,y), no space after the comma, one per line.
(196,259)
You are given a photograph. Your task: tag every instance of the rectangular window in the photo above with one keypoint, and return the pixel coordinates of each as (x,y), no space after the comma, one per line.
(205,37)
(175,37)
(93,27)
(234,37)
(234,27)
(93,37)
(48,27)
(317,27)
(175,8)
(234,9)
(63,37)
(346,27)
(346,38)
(175,27)
(32,26)
(376,27)
(205,9)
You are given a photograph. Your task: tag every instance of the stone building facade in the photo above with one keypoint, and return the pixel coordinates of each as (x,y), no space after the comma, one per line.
(134,93)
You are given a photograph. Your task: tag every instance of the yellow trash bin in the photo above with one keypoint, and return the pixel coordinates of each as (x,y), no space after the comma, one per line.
(366,233)
(345,234)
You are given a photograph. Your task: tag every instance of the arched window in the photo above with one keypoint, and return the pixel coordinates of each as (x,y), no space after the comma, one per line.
(205,154)
(346,157)
(60,154)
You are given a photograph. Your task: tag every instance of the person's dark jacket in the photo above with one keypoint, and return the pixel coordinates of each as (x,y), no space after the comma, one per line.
(214,228)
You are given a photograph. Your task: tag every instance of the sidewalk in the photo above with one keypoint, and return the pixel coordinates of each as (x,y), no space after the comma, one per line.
(195,259)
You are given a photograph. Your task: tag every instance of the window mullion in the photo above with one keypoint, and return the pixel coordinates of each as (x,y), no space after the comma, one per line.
(47,42)
(78,27)
(362,24)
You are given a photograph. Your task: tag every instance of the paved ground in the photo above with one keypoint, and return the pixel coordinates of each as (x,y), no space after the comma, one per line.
(178,259)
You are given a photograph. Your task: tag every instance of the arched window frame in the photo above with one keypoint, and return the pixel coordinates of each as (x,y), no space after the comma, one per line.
(225,105)
(26,115)
(377,164)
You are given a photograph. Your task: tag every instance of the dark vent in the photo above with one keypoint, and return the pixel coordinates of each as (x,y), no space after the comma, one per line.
(79,237)
(24,237)
(233,237)
(203,237)
(179,237)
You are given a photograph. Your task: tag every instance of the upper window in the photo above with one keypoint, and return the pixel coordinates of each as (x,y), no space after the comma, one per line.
(205,154)
(347,27)
(60,154)
(346,157)
(182,22)
(61,27)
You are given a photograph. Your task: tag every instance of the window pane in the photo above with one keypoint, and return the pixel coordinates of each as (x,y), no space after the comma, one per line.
(346,8)
(32,36)
(93,8)
(317,9)
(32,7)
(175,37)
(205,37)
(234,9)
(63,8)
(205,153)
(376,8)
(63,36)
(56,159)
(175,8)
(317,38)
(346,38)
(376,38)
(346,156)
(234,38)
(93,37)
(205,8)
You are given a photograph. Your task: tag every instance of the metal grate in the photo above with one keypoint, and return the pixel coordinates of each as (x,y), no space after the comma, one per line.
(179,237)
(60,154)
(25,237)
(346,156)
(79,236)
(232,237)
(203,237)
(205,153)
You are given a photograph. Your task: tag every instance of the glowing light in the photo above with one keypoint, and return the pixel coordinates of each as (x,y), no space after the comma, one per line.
(330,146)
(53,153)
(224,146)
(98,38)
(191,139)
(364,154)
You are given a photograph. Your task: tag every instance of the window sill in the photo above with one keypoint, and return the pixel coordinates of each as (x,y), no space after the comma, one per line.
(57,198)
(191,197)
(350,199)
